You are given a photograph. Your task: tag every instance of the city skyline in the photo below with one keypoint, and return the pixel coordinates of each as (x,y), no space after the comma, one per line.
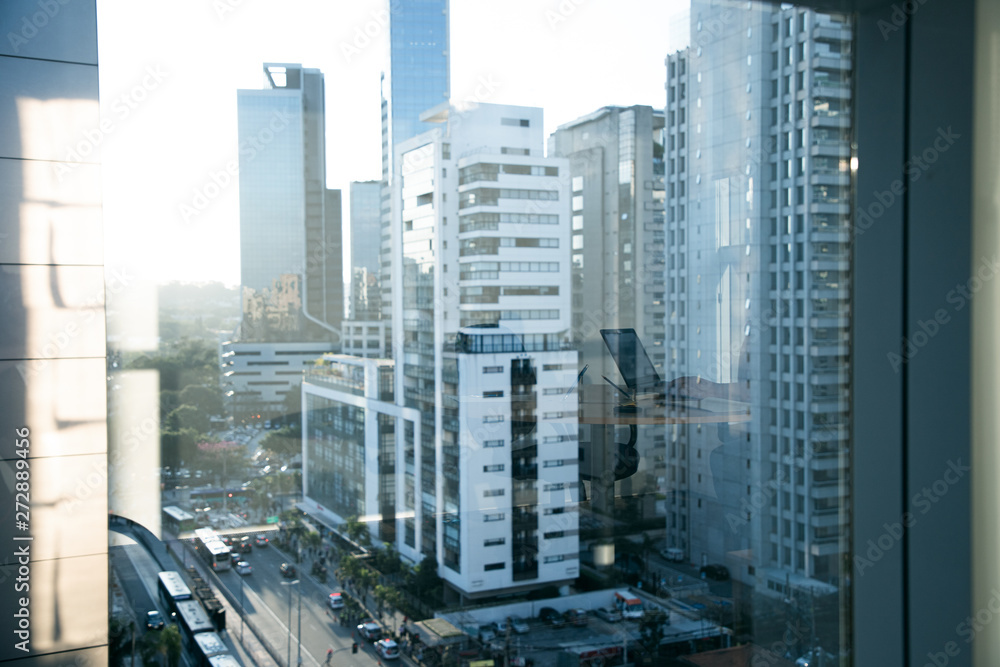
(184,193)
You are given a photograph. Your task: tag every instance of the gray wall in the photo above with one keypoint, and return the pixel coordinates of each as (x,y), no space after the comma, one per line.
(52,333)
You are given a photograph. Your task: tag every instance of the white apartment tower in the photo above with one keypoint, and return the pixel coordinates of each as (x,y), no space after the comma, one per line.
(758,174)
(481,290)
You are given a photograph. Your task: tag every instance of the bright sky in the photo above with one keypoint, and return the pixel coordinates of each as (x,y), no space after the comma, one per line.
(170,70)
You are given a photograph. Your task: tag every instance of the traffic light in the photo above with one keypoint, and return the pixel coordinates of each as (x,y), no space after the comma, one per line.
(354,647)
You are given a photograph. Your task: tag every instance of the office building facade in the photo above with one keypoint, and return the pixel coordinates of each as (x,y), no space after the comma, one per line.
(366,247)
(616,178)
(758,171)
(418,78)
(290,223)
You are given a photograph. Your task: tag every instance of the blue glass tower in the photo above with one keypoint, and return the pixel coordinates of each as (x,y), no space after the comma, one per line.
(419,78)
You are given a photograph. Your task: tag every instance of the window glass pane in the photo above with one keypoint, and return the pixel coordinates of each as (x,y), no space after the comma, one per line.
(363,354)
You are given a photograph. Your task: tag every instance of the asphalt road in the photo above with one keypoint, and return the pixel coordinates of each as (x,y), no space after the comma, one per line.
(266,600)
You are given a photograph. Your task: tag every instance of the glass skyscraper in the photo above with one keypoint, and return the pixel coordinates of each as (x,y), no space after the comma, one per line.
(418,79)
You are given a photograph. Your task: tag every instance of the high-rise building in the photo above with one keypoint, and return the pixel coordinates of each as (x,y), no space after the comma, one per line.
(758,177)
(290,237)
(480,239)
(290,223)
(366,247)
(418,78)
(617,242)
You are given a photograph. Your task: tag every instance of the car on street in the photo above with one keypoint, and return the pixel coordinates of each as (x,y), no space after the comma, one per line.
(336,600)
(235,556)
(288,570)
(518,625)
(370,630)
(608,614)
(673,554)
(715,571)
(246,544)
(550,616)
(154,620)
(387,649)
(243,568)
(261,540)
(486,633)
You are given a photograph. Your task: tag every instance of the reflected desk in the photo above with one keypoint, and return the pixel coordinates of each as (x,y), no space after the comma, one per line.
(604,461)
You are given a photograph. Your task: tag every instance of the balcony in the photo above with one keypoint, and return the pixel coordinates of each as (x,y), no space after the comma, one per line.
(832,62)
(830,148)
(831,33)
(834,120)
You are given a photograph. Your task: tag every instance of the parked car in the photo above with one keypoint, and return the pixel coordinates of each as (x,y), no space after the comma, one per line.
(608,614)
(551,617)
(336,600)
(486,633)
(261,540)
(370,630)
(387,649)
(576,616)
(518,625)
(500,627)
(715,571)
(244,568)
(288,570)
(673,554)
(154,620)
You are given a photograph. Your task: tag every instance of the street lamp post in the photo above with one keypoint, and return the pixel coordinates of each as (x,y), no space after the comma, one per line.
(242,609)
(289,624)
(299,661)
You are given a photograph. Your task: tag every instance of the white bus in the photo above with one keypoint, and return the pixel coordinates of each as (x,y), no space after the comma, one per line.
(212,549)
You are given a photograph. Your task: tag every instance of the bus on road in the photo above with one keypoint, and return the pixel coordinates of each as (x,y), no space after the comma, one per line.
(211,547)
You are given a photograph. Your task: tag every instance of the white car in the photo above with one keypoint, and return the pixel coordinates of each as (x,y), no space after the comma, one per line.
(336,600)
(387,649)
(609,614)
(486,633)
(518,625)
(243,568)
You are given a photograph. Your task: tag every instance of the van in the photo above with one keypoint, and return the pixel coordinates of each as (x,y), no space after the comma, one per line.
(628,604)
(673,554)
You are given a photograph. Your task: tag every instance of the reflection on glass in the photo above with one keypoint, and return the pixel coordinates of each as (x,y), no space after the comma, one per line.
(604,368)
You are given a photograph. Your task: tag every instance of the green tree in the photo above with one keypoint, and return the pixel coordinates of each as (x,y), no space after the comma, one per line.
(119,640)
(188,416)
(207,399)
(283,443)
(356,531)
(651,630)
(425,578)
(177,446)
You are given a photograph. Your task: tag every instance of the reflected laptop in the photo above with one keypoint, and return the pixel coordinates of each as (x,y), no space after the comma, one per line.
(633,363)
